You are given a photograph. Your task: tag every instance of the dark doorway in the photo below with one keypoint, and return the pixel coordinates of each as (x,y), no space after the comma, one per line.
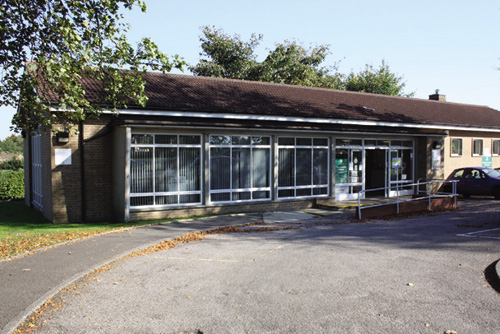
(375,172)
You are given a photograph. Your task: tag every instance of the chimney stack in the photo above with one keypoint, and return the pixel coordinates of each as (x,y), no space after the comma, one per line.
(437,96)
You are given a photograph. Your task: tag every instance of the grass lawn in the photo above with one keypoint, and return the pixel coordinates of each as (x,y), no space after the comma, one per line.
(23,229)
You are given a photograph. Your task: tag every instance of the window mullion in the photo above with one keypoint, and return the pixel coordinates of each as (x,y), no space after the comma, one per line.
(178,158)
(231,171)
(153,169)
(312,168)
(251,172)
(295,167)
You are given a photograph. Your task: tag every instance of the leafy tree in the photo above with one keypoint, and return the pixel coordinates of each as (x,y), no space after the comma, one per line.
(12,144)
(228,57)
(289,62)
(376,80)
(50,45)
(12,164)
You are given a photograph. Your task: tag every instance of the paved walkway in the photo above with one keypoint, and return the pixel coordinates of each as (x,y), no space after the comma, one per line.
(27,282)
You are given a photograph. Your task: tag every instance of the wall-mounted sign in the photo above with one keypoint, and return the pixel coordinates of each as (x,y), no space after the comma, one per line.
(436,159)
(62,156)
(487,162)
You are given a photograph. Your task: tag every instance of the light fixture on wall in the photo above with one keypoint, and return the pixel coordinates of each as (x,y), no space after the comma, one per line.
(62,137)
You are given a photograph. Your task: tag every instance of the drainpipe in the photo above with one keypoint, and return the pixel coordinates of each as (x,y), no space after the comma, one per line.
(81,144)
(30,169)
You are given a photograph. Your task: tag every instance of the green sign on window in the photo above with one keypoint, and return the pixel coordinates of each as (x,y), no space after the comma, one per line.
(341,171)
(397,162)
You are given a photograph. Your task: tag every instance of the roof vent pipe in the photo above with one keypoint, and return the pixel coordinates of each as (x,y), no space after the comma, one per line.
(437,96)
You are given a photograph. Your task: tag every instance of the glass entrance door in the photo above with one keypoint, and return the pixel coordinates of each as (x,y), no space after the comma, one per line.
(348,173)
(384,165)
(400,172)
(376,172)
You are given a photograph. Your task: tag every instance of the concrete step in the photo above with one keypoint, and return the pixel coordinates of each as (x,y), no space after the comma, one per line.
(336,205)
(331,214)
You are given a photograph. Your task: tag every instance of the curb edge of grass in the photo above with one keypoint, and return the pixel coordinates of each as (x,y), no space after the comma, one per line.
(44,248)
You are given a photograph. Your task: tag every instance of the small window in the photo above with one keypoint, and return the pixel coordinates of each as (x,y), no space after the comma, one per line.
(495,147)
(477,147)
(456,147)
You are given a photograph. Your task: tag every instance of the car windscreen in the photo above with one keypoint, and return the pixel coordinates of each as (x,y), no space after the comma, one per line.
(492,173)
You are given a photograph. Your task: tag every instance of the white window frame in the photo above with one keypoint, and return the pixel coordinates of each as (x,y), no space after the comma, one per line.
(178,192)
(474,154)
(232,190)
(497,151)
(311,186)
(461,147)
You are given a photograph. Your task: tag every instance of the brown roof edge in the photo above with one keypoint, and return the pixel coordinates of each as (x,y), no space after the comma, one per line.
(180,92)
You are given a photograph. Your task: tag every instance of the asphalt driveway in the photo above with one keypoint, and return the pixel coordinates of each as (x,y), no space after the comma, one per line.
(421,274)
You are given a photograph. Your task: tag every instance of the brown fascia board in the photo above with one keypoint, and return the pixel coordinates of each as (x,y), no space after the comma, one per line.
(310,124)
(190,122)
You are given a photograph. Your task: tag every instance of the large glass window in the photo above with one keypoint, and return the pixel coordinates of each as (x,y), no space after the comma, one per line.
(240,168)
(302,167)
(165,170)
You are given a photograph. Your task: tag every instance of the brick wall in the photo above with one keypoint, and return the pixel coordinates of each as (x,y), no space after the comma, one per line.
(46,176)
(424,158)
(68,204)
(98,171)
(221,209)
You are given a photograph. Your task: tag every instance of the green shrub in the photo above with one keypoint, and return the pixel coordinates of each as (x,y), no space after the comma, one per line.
(12,164)
(11,184)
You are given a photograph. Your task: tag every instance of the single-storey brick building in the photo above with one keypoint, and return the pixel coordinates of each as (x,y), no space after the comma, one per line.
(206,145)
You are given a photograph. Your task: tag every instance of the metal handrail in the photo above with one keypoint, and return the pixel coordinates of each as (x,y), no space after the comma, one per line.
(429,193)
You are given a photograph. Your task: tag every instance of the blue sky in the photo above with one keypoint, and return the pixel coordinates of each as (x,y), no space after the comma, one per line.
(452,46)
